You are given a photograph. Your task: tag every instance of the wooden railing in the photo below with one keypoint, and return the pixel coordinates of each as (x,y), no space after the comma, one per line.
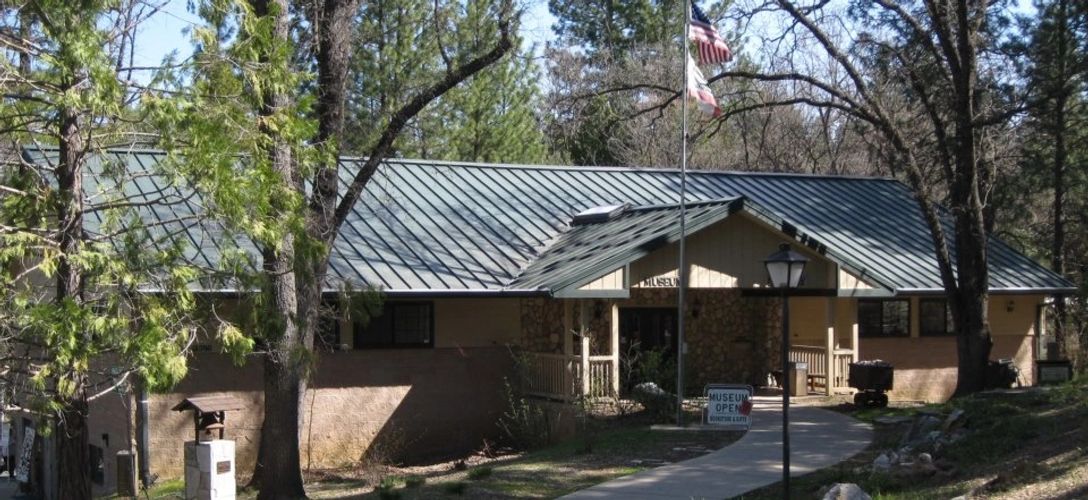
(841,362)
(559,376)
(600,377)
(816,357)
(550,375)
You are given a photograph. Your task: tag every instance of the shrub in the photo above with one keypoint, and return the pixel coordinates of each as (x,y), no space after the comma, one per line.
(386,488)
(480,473)
(524,426)
(456,487)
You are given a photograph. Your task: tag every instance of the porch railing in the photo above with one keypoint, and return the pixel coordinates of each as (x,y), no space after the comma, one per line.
(816,357)
(842,359)
(559,376)
(550,375)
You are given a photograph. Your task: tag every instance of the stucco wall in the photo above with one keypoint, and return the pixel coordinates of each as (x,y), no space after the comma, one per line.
(401,404)
(395,404)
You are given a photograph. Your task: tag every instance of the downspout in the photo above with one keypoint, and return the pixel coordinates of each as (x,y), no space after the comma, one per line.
(143,434)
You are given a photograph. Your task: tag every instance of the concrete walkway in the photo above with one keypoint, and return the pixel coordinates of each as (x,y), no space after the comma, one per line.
(818,439)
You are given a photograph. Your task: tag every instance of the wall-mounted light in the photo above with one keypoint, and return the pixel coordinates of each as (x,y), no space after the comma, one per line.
(1010,305)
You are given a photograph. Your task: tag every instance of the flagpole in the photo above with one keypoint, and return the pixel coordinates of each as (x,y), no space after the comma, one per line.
(682,280)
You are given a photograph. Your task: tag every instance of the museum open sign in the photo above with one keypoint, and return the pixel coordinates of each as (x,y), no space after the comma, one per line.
(728,405)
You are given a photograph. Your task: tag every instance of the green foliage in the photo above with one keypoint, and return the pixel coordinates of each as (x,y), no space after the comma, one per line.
(387,488)
(414,481)
(480,473)
(657,366)
(524,426)
(609,29)
(405,45)
(86,281)
(456,488)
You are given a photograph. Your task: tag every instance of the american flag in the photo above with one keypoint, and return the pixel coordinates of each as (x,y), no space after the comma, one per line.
(712,49)
(700,91)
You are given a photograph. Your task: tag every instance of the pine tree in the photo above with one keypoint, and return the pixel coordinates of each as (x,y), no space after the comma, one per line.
(492,117)
(1057,144)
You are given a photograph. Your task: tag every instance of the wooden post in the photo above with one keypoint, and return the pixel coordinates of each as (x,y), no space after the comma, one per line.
(854,333)
(829,344)
(615,349)
(583,329)
(568,352)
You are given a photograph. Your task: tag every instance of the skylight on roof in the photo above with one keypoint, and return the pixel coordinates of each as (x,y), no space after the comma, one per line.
(598,214)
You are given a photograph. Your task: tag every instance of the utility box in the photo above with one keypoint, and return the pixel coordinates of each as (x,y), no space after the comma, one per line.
(209,470)
(126,474)
(798,376)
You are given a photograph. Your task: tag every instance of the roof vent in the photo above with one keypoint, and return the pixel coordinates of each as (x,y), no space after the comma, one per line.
(598,214)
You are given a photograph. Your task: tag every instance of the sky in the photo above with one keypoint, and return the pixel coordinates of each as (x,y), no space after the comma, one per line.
(164,31)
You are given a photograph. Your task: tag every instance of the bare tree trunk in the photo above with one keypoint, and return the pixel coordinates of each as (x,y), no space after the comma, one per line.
(73,455)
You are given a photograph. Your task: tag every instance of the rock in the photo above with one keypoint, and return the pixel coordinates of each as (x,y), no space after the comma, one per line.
(882,462)
(953,422)
(925,458)
(921,428)
(652,397)
(933,436)
(846,491)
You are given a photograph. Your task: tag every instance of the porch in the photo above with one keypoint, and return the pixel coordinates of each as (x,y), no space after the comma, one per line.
(585,361)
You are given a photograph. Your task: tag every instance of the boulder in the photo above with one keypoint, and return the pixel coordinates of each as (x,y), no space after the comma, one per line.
(653,398)
(846,491)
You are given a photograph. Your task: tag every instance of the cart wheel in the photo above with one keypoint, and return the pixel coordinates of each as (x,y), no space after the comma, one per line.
(860,399)
(882,400)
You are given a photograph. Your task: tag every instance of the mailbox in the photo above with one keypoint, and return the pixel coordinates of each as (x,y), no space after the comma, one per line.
(209,459)
(209,414)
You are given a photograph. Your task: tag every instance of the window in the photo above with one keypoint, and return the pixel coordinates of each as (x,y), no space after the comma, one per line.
(884,318)
(400,324)
(934,318)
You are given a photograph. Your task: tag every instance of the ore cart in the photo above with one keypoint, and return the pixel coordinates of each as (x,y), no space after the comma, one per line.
(871,380)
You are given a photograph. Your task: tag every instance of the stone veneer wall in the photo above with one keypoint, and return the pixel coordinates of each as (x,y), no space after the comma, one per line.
(541,325)
(732,339)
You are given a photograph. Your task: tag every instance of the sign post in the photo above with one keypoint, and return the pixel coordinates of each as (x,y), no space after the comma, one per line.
(728,405)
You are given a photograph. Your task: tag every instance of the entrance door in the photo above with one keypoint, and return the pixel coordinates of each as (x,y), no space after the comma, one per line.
(651,327)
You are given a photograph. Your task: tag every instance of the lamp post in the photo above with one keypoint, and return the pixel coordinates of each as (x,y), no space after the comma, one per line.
(786,269)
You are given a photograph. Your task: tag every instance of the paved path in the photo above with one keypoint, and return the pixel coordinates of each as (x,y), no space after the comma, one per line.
(818,438)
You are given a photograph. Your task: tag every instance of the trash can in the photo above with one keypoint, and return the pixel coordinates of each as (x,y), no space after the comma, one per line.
(798,377)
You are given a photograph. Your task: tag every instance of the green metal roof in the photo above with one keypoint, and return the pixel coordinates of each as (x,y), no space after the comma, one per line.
(590,250)
(430,227)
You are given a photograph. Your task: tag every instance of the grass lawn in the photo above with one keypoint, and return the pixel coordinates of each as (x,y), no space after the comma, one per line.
(1030,444)
(546,473)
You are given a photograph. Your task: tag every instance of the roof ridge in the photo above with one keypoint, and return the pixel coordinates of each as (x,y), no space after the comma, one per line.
(531,166)
(605,168)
